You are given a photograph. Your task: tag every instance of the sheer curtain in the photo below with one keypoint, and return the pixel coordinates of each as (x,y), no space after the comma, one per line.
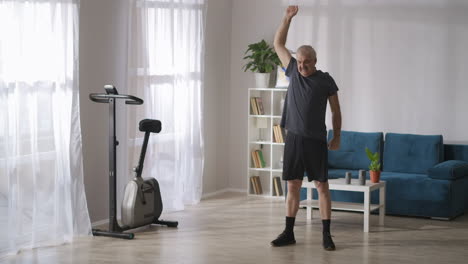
(42,199)
(166,57)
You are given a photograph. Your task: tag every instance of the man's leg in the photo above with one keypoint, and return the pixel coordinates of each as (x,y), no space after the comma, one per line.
(292,199)
(292,206)
(325,213)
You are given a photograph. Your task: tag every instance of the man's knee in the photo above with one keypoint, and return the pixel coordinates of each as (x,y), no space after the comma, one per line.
(322,187)
(294,186)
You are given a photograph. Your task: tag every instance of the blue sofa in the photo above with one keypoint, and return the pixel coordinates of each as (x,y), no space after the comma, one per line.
(424,177)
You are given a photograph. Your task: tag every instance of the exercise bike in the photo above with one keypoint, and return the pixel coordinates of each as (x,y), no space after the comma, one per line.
(142,204)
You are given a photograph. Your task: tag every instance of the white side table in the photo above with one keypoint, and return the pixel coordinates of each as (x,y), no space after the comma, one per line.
(340,185)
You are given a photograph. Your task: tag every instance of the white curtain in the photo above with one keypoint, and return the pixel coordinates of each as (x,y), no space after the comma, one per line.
(42,198)
(166,58)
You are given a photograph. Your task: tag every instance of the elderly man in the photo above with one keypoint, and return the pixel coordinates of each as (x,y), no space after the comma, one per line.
(306,148)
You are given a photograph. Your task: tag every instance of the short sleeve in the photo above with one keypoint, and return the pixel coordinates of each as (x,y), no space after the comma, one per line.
(292,66)
(332,87)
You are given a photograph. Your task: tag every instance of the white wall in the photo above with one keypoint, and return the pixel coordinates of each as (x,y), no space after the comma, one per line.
(102,61)
(401,65)
(103,53)
(216,106)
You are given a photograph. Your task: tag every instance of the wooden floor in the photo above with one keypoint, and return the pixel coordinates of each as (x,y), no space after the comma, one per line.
(234,228)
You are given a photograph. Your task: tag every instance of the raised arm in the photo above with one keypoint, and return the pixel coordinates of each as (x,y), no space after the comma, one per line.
(334,143)
(281,35)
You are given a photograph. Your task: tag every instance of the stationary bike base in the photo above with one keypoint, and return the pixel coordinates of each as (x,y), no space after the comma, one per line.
(166,223)
(97,232)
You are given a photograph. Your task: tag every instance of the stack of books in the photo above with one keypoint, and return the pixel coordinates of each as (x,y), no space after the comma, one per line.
(257,159)
(257,106)
(256,184)
(277,187)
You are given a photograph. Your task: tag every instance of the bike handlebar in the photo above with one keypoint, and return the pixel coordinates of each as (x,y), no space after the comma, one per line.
(112,93)
(104,98)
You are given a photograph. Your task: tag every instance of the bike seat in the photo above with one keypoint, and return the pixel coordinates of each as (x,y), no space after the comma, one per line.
(150,125)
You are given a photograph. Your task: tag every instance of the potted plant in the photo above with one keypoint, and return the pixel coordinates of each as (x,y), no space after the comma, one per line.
(374,166)
(262,60)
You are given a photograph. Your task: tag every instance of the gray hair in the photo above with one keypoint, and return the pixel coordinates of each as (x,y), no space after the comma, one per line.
(307,50)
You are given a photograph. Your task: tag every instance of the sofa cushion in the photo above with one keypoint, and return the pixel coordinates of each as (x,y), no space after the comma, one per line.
(412,153)
(414,187)
(352,154)
(449,170)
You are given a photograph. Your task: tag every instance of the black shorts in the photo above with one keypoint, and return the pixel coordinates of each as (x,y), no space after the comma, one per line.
(302,154)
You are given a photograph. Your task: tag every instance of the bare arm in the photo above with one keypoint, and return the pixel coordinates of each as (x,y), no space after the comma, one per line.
(281,35)
(334,143)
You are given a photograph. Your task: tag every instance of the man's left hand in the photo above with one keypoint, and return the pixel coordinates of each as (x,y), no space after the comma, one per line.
(334,143)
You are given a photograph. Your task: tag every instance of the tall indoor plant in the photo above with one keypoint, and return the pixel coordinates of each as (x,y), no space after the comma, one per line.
(262,60)
(374,166)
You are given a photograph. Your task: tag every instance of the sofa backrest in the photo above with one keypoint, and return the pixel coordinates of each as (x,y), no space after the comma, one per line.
(352,152)
(412,153)
(456,152)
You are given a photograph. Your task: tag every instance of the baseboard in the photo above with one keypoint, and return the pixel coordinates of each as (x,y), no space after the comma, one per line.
(208,195)
(100,222)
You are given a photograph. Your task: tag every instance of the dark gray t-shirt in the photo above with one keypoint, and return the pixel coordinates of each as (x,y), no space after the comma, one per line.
(306,100)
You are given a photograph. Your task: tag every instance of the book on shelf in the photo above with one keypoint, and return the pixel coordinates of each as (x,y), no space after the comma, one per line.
(275,133)
(256,103)
(258,159)
(256,184)
(278,134)
(262,160)
(259,184)
(255,161)
(277,186)
(259,102)
(253,105)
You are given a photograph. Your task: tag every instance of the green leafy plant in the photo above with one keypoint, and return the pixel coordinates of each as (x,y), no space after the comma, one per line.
(374,160)
(261,58)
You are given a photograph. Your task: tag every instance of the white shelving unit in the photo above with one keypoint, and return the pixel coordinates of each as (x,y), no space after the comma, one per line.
(263,139)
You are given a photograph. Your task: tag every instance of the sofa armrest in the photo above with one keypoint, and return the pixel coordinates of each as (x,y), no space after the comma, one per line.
(449,170)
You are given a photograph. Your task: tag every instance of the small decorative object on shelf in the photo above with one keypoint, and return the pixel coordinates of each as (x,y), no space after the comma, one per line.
(348,177)
(262,123)
(362,177)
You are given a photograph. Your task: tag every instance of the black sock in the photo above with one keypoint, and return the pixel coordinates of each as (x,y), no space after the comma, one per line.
(290,224)
(326,226)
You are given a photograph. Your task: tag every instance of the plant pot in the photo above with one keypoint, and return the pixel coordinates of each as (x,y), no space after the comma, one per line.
(262,80)
(375,176)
